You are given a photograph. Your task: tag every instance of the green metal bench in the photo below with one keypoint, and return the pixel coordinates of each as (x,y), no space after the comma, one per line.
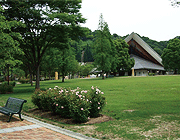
(13,106)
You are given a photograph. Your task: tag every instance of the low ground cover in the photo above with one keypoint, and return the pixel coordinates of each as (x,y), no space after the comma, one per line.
(140,107)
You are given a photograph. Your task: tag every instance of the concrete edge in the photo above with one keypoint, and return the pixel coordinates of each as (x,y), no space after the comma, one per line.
(58,129)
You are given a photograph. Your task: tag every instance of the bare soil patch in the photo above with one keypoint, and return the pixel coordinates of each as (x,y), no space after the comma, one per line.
(58,118)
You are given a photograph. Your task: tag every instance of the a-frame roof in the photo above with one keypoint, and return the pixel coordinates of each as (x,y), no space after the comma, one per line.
(141,63)
(144,45)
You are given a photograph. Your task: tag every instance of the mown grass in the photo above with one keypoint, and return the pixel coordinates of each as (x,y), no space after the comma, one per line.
(146,97)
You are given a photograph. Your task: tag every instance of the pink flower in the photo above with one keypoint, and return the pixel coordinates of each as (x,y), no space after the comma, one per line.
(90,101)
(82,109)
(56,104)
(99,103)
(77,92)
(79,96)
(49,88)
(60,91)
(92,87)
(62,106)
(102,92)
(99,108)
(85,91)
(88,118)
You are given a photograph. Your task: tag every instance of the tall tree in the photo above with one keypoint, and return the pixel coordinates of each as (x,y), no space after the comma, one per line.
(175,2)
(122,57)
(47,22)
(9,46)
(102,47)
(50,62)
(171,55)
(68,62)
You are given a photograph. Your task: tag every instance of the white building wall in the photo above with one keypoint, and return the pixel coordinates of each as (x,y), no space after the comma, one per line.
(141,73)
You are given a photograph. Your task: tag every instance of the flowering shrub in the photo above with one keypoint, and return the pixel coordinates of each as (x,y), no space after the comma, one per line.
(61,101)
(77,104)
(40,99)
(97,101)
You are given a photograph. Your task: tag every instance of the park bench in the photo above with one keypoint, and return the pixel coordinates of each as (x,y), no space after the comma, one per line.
(13,106)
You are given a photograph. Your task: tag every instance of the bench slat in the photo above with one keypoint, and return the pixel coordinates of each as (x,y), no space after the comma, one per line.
(13,106)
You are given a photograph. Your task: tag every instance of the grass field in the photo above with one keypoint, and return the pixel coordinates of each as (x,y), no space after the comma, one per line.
(142,107)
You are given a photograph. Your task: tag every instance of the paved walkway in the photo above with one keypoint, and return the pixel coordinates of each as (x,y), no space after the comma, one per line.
(31,128)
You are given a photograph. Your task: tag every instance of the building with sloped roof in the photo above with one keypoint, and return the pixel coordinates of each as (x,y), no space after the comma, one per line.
(146,59)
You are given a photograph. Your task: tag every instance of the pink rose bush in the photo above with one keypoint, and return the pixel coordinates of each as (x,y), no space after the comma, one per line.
(81,105)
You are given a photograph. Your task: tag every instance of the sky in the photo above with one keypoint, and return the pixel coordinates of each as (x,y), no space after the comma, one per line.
(155,19)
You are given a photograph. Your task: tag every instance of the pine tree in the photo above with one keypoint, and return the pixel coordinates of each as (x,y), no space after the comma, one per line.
(102,47)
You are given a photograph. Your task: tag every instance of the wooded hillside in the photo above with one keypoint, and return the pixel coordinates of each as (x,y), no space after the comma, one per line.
(85,45)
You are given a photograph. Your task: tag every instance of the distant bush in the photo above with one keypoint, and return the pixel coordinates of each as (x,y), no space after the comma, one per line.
(77,104)
(23,81)
(4,88)
(2,79)
(151,74)
(12,83)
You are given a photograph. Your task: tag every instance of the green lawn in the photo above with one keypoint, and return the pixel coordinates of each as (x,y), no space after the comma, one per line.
(154,101)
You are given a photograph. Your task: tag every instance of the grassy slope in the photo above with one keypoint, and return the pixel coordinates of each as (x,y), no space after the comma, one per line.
(148,96)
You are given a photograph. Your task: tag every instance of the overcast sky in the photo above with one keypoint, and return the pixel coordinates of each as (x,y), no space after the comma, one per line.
(155,19)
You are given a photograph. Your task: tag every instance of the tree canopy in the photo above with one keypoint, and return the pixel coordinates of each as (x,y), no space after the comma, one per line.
(9,46)
(48,24)
(102,47)
(171,55)
(124,63)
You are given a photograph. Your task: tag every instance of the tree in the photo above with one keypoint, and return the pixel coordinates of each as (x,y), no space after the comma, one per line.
(102,47)
(85,69)
(124,63)
(9,46)
(48,24)
(51,61)
(171,55)
(68,62)
(175,3)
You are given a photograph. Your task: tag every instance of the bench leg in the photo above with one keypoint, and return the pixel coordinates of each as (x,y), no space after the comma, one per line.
(20,117)
(10,118)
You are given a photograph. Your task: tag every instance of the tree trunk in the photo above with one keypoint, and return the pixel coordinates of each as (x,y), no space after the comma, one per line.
(37,79)
(103,74)
(107,74)
(49,75)
(8,73)
(175,71)
(26,74)
(72,75)
(4,73)
(31,79)
(62,77)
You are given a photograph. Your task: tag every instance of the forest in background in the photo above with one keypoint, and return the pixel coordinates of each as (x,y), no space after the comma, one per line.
(85,45)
